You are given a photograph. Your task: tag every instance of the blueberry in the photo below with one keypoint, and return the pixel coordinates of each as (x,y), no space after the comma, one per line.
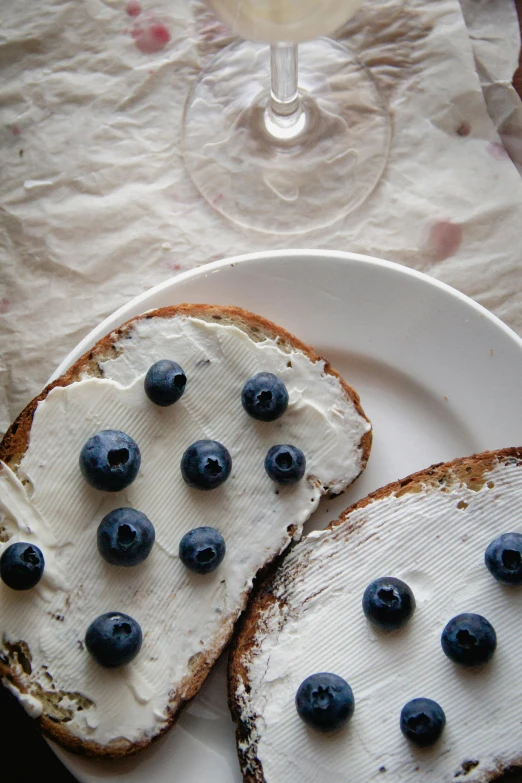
(504,558)
(202,549)
(110,460)
(125,537)
(206,464)
(324,701)
(285,464)
(165,383)
(21,566)
(113,639)
(264,397)
(469,639)
(422,721)
(388,603)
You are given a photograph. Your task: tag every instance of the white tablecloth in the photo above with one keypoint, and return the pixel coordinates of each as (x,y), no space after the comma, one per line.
(96,205)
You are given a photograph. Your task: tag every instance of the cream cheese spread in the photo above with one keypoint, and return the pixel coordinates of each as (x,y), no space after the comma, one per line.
(435,541)
(182,615)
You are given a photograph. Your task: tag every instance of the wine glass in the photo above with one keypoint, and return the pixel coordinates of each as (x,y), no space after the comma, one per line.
(276,150)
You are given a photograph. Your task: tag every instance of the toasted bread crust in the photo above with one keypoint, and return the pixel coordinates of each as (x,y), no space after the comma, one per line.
(15,443)
(16,439)
(471,471)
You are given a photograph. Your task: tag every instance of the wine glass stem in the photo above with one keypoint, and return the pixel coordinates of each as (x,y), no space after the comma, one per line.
(284,99)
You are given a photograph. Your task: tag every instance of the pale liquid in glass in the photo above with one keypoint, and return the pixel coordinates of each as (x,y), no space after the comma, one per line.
(279,148)
(291,21)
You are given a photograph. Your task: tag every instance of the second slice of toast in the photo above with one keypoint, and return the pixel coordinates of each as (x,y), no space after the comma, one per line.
(431,531)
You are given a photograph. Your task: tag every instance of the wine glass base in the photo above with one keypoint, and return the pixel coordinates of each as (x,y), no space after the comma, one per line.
(294,180)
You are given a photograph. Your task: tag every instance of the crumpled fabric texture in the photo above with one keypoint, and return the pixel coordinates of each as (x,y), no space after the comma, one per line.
(96,205)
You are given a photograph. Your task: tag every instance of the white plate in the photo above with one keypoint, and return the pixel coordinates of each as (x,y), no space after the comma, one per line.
(438,375)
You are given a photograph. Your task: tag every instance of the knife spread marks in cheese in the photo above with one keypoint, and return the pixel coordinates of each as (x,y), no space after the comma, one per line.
(434,538)
(181,614)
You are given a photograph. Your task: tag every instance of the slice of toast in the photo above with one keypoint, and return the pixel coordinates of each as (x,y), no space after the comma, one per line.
(430,530)
(186,618)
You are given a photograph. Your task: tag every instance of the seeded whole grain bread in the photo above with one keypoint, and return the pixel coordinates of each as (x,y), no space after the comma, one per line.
(61,707)
(431,530)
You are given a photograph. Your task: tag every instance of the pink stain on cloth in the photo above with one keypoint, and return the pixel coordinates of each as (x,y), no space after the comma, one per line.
(464,129)
(4,305)
(133,8)
(151,37)
(444,240)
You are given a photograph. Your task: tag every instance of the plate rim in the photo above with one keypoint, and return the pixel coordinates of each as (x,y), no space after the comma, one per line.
(71,762)
(118,316)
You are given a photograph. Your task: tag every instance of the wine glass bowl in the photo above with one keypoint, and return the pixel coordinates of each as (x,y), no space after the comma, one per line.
(274,156)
